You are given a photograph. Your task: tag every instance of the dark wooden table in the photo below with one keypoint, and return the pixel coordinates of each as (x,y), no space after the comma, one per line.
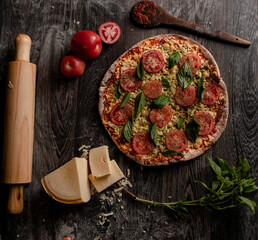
(67,117)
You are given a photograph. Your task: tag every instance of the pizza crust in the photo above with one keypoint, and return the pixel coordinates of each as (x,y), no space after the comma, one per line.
(220,126)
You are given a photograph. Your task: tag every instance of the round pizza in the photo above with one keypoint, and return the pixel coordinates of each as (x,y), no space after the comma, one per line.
(163,100)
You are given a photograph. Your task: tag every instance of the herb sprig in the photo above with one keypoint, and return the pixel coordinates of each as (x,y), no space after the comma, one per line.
(227,190)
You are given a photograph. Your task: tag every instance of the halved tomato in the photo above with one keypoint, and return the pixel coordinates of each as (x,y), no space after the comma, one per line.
(109,32)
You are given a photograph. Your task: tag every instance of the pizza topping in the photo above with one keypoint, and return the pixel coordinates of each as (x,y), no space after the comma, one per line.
(192,60)
(200,89)
(140,70)
(192,129)
(161,115)
(160,101)
(211,94)
(169,153)
(153,133)
(118,91)
(180,123)
(185,97)
(184,76)
(142,143)
(206,121)
(153,61)
(152,89)
(165,82)
(173,59)
(140,102)
(128,130)
(129,80)
(176,140)
(119,116)
(125,99)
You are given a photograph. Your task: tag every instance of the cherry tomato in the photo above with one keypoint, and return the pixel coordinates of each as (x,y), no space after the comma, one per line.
(72,66)
(86,45)
(109,32)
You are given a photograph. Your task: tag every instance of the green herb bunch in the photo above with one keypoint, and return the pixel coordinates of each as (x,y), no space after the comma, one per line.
(227,190)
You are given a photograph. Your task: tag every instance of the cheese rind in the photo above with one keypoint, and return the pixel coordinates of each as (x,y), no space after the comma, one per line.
(104,182)
(99,161)
(69,183)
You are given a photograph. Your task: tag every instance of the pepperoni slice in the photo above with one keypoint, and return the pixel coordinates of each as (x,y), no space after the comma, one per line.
(120,116)
(161,115)
(211,94)
(206,121)
(176,140)
(129,80)
(152,89)
(153,61)
(185,97)
(192,60)
(142,143)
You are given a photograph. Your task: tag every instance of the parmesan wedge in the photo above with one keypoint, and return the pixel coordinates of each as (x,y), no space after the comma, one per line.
(104,182)
(69,183)
(99,161)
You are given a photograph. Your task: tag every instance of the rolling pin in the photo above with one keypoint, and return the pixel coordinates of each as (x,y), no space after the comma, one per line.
(19,124)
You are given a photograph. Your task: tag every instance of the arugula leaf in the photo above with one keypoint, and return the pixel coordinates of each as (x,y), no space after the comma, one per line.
(165,82)
(184,76)
(118,91)
(173,59)
(200,89)
(140,102)
(192,129)
(125,99)
(140,70)
(171,153)
(153,133)
(160,101)
(180,123)
(128,129)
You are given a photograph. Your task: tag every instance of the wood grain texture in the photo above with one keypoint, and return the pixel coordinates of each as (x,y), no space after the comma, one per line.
(66,117)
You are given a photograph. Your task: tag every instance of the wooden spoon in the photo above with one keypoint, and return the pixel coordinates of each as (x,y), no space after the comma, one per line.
(149,14)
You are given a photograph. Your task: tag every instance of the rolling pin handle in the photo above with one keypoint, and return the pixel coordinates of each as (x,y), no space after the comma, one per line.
(23,44)
(15,199)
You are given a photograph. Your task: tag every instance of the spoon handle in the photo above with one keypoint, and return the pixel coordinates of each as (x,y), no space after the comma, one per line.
(167,19)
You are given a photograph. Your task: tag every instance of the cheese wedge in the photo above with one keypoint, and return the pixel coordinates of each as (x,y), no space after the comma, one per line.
(69,183)
(104,182)
(99,161)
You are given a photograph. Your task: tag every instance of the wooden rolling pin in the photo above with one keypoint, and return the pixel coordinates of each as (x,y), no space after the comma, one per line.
(19,124)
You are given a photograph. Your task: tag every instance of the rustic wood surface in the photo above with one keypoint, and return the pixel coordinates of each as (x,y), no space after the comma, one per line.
(67,116)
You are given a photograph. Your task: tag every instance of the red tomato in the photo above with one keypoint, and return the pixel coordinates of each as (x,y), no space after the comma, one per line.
(72,66)
(67,238)
(86,45)
(109,32)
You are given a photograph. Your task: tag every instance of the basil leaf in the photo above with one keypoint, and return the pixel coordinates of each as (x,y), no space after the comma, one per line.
(165,82)
(128,129)
(215,167)
(140,70)
(224,165)
(248,202)
(118,91)
(173,59)
(180,123)
(184,76)
(160,101)
(245,168)
(125,100)
(250,189)
(140,102)
(170,153)
(192,129)
(153,133)
(200,89)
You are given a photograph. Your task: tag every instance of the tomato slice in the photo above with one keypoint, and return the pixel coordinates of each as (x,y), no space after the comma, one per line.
(109,32)
(192,60)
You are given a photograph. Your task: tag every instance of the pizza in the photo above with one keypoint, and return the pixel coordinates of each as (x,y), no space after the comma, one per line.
(163,101)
